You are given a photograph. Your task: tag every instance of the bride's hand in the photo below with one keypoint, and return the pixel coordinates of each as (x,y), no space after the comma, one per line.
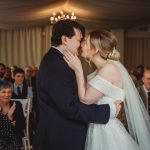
(73,61)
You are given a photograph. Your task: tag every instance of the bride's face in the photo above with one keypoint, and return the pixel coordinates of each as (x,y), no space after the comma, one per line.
(85,48)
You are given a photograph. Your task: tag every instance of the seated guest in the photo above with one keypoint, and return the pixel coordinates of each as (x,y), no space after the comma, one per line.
(144,90)
(20,89)
(139,74)
(134,79)
(28,75)
(12,121)
(2,70)
(12,68)
(7,75)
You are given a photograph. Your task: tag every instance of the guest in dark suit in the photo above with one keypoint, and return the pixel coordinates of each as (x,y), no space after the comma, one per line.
(144,90)
(63,118)
(20,89)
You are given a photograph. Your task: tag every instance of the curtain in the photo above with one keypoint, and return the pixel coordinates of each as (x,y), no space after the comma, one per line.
(137,51)
(24,47)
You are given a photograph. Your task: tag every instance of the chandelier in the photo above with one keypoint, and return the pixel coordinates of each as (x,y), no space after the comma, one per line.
(62,15)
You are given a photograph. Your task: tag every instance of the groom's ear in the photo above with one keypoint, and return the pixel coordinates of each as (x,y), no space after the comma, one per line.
(64,40)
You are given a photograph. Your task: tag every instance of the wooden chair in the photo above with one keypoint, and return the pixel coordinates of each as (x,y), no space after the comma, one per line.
(26,110)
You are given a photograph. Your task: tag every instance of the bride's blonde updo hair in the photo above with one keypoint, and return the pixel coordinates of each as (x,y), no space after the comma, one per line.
(104,43)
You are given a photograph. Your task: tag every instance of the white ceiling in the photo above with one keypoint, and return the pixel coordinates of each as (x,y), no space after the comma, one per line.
(92,13)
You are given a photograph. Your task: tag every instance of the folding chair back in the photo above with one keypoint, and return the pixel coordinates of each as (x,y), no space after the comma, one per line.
(26,110)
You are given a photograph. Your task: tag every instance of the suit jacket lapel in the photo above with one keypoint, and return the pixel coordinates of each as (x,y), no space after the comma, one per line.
(143,95)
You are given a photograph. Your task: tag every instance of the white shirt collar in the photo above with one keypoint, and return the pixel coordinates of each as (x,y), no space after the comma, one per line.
(15,86)
(145,89)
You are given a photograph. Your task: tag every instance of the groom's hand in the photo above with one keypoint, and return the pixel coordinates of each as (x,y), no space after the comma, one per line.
(118,106)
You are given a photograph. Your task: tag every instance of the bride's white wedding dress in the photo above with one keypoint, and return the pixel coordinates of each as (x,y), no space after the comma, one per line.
(113,135)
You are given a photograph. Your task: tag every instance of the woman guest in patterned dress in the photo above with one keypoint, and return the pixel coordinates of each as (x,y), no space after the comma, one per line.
(12,121)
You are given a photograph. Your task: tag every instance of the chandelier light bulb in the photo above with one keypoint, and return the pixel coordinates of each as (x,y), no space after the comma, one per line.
(61,12)
(62,15)
(52,18)
(59,17)
(67,16)
(56,19)
(74,17)
(54,13)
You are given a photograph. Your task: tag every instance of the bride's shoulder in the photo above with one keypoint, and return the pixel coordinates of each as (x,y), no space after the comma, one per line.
(108,68)
(111,73)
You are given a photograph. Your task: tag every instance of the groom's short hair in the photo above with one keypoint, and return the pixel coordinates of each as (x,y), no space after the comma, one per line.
(66,28)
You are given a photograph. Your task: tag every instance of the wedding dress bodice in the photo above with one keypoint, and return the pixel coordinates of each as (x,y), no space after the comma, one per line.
(110,91)
(113,135)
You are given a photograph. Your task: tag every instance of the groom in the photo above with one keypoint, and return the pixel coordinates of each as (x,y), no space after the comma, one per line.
(64,119)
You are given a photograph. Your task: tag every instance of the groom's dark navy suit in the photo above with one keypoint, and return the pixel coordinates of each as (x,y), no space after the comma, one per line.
(63,119)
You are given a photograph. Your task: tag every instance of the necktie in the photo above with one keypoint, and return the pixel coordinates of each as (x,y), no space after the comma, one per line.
(29,82)
(19,91)
(148,102)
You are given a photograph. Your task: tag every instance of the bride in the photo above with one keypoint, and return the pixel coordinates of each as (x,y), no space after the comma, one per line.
(108,82)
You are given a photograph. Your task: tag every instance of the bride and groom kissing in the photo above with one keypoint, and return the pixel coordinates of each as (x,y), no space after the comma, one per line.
(75,115)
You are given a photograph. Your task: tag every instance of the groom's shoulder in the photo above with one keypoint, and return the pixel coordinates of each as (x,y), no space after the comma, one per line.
(50,53)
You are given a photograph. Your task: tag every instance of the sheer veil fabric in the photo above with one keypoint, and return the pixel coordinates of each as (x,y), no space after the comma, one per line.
(137,116)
